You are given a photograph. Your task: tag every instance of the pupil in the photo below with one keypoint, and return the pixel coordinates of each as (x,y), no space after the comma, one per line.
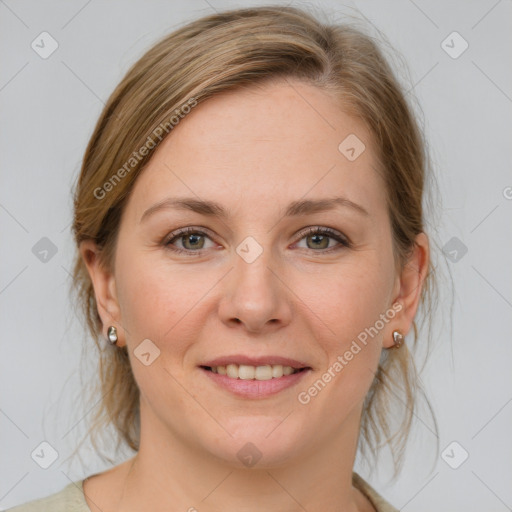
(319,239)
(193,239)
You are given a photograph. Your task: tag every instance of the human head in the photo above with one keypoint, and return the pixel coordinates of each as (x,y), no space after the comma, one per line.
(213,56)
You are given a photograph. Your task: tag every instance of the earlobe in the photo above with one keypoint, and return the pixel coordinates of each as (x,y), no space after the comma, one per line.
(103,282)
(410,286)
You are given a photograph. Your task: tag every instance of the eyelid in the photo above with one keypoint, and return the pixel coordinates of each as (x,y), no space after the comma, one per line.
(179,233)
(322,229)
(341,238)
(186,230)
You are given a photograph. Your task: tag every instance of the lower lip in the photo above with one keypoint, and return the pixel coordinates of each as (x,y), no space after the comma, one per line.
(256,388)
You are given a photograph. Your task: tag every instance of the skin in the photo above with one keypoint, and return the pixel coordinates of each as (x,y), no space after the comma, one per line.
(253,151)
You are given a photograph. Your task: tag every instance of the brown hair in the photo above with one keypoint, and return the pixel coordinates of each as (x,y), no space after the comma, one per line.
(219,53)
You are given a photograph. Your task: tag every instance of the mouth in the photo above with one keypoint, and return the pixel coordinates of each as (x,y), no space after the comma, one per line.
(254,378)
(249,372)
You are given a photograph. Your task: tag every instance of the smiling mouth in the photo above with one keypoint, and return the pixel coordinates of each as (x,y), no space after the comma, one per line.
(248,372)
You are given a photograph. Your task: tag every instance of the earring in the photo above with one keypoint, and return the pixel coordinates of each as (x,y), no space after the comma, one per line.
(112,335)
(398,338)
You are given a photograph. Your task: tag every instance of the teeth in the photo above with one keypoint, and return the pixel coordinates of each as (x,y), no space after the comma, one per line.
(247,372)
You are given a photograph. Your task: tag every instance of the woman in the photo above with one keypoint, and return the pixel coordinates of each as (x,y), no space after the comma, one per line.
(251,246)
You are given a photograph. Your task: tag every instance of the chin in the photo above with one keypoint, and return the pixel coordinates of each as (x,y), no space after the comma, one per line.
(260,442)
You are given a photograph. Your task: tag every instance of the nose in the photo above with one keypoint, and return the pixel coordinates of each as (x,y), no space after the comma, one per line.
(255,296)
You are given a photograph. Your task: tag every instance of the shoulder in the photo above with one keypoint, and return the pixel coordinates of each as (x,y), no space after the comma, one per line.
(69,499)
(379,503)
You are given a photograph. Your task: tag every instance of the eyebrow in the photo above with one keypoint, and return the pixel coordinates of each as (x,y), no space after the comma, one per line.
(210,208)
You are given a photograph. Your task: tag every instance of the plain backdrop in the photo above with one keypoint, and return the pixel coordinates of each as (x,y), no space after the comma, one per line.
(48,110)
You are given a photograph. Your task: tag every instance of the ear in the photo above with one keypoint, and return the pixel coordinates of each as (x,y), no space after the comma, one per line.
(408,288)
(104,285)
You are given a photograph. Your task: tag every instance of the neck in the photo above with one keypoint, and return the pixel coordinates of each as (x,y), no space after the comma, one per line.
(319,479)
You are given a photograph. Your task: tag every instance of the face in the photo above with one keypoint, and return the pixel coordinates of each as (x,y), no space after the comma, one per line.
(264,284)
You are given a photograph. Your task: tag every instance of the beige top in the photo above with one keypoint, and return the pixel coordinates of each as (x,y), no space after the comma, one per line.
(71,499)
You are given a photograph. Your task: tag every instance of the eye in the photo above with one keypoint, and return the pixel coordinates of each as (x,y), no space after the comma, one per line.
(318,238)
(192,240)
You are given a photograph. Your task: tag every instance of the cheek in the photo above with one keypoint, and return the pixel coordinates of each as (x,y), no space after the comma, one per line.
(147,299)
(348,307)
(347,300)
(371,315)
(158,300)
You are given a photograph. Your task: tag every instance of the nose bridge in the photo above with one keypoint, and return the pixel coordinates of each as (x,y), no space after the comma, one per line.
(256,296)
(254,282)
(252,262)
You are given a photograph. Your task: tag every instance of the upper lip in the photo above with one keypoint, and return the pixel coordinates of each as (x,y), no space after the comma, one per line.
(255,361)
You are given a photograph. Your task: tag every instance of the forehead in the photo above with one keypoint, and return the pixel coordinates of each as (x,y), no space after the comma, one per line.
(267,142)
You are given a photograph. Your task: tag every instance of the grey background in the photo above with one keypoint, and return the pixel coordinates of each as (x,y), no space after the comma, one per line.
(48,110)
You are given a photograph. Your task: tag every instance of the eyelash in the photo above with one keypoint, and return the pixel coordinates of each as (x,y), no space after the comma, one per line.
(316,230)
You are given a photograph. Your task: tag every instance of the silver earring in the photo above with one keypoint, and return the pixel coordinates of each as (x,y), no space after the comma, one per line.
(398,339)
(112,335)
